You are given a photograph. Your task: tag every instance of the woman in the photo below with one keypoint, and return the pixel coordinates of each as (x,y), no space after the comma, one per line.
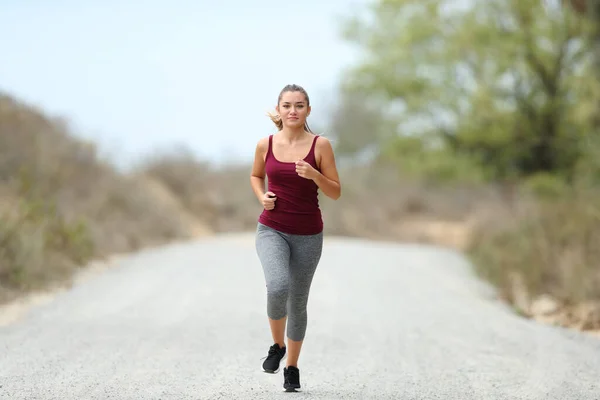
(289,236)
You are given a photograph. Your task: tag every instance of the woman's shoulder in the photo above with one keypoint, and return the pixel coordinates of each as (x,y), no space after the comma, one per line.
(263,143)
(322,141)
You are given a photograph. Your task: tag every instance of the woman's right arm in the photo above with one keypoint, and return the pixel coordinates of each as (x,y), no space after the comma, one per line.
(257,177)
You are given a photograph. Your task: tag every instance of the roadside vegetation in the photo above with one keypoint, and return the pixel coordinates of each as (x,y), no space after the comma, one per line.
(494,94)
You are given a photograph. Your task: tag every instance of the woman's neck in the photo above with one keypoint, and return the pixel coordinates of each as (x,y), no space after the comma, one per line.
(293,135)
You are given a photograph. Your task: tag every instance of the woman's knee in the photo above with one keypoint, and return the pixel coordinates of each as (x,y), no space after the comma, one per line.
(277,297)
(298,303)
(279,291)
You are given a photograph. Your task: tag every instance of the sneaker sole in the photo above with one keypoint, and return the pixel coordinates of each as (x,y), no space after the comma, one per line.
(278,369)
(289,390)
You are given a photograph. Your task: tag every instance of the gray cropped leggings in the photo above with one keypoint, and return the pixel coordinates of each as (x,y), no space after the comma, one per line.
(289,263)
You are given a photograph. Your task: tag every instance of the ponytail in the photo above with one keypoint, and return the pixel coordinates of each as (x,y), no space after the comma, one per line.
(276,118)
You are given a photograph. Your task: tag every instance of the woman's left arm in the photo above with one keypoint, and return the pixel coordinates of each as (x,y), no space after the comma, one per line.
(328,179)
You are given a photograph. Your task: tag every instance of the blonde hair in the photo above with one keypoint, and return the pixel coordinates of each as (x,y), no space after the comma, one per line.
(276,118)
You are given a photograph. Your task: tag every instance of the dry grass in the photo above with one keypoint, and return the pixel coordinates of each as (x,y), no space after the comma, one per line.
(61,205)
(39,247)
(221,198)
(379,203)
(547,250)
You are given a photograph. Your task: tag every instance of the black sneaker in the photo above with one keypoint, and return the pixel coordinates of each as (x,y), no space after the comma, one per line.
(276,354)
(291,379)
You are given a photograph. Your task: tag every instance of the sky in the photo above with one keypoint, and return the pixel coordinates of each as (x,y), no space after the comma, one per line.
(143,76)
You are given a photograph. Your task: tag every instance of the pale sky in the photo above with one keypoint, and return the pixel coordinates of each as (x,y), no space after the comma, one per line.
(136,75)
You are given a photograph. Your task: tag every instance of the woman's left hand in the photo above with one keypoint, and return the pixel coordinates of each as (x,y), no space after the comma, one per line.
(306,170)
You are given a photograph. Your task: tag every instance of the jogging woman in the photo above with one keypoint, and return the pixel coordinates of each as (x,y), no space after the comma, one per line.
(289,236)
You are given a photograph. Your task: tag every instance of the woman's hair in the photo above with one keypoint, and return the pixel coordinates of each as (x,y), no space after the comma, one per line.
(276,118)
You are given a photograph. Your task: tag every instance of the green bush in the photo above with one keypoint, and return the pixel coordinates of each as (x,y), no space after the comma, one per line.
(38,246)
(545,185)
(418,160)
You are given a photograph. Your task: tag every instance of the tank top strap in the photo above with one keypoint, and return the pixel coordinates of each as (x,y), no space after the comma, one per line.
(311,153)
(270,148)
(314,143)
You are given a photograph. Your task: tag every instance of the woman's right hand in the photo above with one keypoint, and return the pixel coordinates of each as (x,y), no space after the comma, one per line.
(268,200)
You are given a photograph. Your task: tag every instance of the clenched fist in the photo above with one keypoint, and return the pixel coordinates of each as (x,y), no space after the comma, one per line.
(305,170)
(268,200)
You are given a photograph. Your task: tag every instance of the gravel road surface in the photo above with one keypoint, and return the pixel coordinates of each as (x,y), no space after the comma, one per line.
(386,321)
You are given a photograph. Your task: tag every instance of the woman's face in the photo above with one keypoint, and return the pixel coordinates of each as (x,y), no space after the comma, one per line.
(293,109)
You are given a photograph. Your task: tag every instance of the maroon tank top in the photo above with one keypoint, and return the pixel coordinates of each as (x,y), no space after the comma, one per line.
(296,209)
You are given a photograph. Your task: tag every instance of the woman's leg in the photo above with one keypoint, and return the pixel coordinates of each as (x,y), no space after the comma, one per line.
(305,256)
(278,331)
(274,254)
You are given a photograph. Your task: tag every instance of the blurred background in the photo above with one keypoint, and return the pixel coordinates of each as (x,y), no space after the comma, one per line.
(470,124)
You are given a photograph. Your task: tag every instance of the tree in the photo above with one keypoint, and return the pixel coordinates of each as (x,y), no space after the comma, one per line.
(591,9)
(503,82)
(358,124)
(585,7)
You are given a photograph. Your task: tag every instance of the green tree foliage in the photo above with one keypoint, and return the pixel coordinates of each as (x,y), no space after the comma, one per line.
(590,9)
(358,124)
(505,86)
